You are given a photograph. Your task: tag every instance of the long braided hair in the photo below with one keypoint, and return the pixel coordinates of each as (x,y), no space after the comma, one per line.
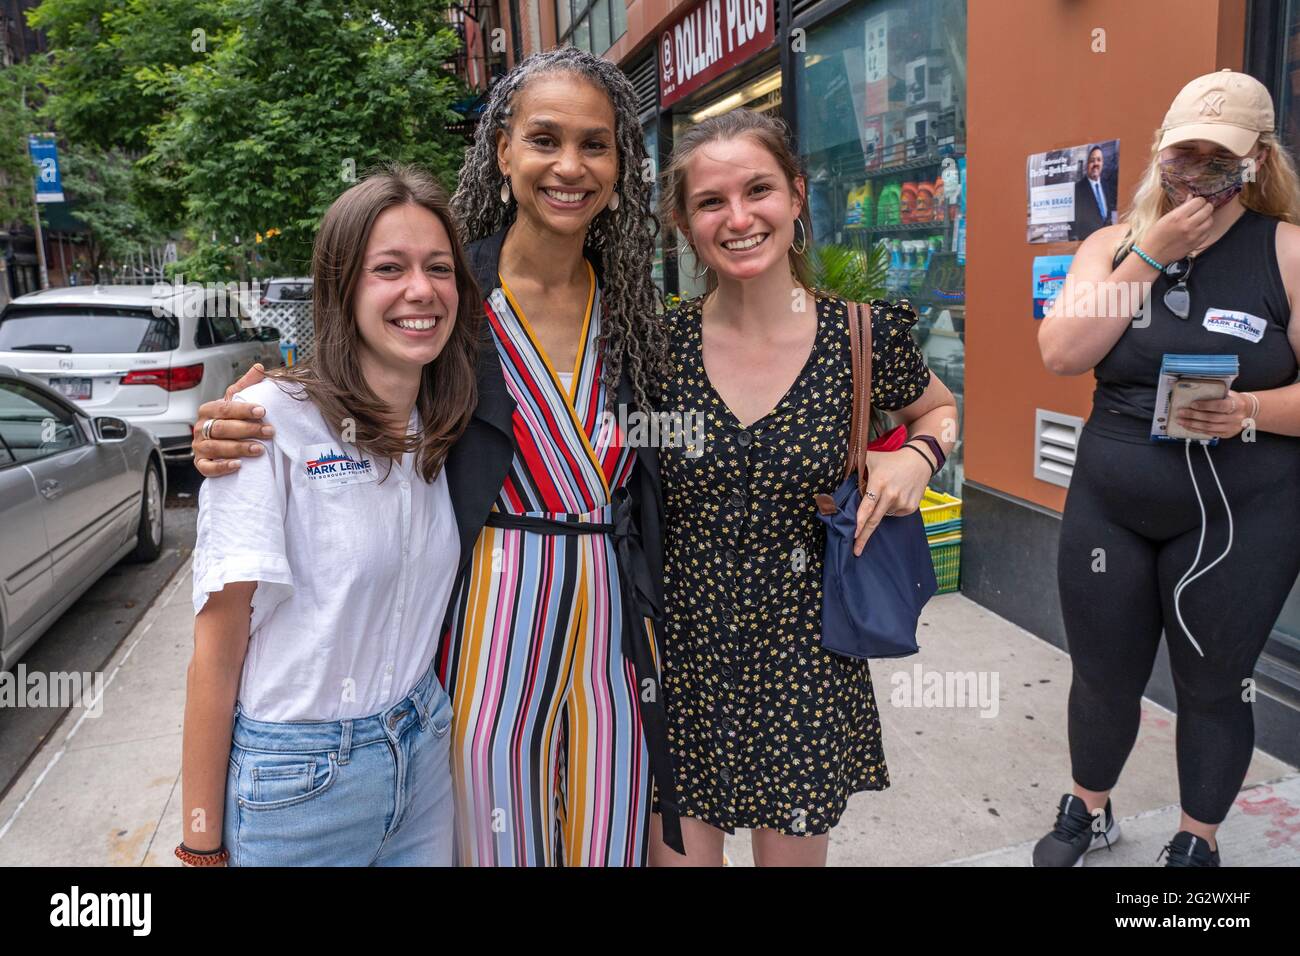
(623,241)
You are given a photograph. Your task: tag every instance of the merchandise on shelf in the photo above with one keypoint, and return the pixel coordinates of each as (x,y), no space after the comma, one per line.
(857,213)
(923,211)
(873,141)
(886,87)
(907,203)
(920,131)
(887,205)
(925,76)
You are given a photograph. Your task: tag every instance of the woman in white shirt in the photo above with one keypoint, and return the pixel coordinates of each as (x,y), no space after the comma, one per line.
(316,731)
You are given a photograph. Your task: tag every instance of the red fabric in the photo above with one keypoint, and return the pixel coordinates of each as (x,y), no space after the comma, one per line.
(892,440)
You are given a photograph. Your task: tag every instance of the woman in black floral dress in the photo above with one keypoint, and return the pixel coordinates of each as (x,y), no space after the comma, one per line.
(769,731)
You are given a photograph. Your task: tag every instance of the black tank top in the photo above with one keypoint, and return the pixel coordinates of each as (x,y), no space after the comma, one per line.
(1238,273)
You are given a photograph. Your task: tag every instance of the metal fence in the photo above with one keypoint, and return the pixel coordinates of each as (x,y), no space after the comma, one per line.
(293,319)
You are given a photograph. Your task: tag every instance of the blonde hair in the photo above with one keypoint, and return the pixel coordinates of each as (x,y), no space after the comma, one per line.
(1275,191)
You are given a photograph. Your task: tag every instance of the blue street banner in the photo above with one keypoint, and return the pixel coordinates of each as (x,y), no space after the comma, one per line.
(49,188)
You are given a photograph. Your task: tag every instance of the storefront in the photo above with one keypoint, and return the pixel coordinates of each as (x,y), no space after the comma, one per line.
(709,57)
(890,104)
(879,115)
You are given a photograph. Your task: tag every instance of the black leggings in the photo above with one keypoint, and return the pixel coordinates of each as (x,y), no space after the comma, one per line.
(1132,505)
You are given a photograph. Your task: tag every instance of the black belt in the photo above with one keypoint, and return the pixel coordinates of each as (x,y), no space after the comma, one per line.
(638,603)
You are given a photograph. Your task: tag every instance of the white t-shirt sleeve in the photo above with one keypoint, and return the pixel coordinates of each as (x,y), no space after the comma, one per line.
(241,526)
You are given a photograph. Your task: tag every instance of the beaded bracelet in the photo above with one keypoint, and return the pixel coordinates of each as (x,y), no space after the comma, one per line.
(202,857)
(1146,258)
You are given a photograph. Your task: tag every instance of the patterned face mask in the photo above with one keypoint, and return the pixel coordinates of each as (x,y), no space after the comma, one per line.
(1216,179)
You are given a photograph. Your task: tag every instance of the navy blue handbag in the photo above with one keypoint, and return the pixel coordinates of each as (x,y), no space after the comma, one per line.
(870,602)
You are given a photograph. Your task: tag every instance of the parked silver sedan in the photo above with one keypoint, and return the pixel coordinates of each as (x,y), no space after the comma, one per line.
(77,494)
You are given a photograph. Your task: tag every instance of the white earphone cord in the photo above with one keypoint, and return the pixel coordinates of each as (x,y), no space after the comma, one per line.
(1185,580)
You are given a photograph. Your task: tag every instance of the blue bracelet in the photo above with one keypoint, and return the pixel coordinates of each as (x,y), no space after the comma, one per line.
(1147,259)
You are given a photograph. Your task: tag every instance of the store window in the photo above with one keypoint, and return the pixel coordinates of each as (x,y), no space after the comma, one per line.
(881,119)
(1288,100)
(762,95)
(650,130)
(592,25)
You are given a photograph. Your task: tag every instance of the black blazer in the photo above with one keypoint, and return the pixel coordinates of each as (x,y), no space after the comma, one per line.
(1087,217)
(478,463)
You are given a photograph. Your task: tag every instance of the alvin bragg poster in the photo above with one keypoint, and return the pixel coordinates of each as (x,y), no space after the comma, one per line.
(1072,191)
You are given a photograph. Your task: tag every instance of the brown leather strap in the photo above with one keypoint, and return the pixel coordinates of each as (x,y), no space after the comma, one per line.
(860,424)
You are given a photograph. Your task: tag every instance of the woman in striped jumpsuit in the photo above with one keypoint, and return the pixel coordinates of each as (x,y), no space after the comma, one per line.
(549,653)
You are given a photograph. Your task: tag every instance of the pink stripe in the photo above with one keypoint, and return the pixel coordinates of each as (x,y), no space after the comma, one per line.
(600,624)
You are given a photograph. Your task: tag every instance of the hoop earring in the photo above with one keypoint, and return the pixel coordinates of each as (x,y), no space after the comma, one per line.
(682,250)
(505,191)
(613,201)
(803,234)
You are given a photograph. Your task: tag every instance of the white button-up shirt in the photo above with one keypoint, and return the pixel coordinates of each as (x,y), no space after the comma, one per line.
(354,566)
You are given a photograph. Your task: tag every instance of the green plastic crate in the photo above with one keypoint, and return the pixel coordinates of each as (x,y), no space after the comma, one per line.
(947,565)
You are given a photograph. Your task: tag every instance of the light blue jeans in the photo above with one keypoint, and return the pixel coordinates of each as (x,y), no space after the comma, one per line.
(373,791)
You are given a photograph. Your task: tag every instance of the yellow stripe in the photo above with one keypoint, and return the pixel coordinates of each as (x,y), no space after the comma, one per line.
(568,400)
(546,796)
(463,697)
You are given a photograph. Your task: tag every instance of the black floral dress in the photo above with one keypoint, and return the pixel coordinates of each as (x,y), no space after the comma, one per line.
(767,729)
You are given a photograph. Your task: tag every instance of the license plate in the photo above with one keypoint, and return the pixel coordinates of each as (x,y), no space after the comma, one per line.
(77,389)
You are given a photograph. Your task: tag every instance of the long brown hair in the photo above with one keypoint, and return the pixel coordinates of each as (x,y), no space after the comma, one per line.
(332,378)
(769,132)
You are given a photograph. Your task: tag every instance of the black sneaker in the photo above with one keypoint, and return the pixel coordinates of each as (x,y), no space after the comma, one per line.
(1187,849)
(1073,835)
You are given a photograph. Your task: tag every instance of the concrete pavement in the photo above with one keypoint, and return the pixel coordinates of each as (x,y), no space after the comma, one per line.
(966,789)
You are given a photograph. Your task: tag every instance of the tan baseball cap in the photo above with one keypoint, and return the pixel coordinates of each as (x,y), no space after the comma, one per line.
(1227,108)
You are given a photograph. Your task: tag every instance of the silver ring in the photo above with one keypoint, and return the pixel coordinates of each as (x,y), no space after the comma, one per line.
(889,514)
(207,429)
(871,495)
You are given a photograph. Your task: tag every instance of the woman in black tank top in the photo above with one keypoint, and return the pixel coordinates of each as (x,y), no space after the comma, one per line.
(1197,542)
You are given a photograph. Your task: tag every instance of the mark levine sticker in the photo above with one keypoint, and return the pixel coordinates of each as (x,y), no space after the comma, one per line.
(327,466)
(1241,324)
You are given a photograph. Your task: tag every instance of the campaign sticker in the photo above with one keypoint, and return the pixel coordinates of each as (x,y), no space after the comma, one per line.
(1241,324)
(327,466)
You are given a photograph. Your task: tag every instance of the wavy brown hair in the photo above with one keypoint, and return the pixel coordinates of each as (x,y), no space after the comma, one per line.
(332,377)
(769,132)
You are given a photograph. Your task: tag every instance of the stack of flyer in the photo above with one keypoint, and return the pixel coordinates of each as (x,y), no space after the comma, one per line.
(1189,378)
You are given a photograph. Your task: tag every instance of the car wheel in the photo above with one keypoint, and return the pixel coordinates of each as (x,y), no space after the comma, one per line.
(149,534)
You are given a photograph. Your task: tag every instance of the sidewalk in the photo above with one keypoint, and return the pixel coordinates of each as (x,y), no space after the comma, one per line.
(966,790)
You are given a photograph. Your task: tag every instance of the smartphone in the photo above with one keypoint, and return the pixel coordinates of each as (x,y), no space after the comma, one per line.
(1185,391)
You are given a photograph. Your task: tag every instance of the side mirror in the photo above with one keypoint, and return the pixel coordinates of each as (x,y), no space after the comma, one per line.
(109,429)
(268,333)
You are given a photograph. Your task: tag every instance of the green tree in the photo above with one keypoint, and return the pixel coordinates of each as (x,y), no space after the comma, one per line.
(293,101)
(100,181)
(97,49)
(244,118)
(20,96)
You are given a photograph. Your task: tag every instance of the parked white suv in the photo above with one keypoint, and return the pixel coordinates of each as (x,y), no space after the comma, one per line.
(150,355)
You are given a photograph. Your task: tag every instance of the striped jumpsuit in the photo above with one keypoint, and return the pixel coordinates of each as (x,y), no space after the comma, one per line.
(549,761)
